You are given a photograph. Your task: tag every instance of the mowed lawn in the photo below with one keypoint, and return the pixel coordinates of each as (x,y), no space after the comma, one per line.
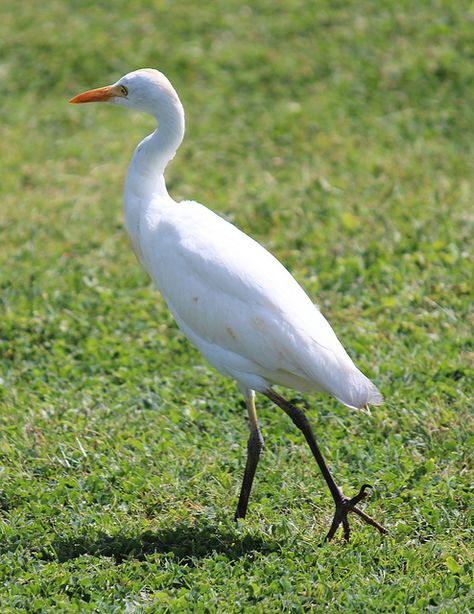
(341,136)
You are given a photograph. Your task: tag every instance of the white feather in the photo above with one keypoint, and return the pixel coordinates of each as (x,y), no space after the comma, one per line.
(241,308)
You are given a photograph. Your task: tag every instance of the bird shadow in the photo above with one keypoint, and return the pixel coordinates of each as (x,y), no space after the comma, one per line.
(184,542)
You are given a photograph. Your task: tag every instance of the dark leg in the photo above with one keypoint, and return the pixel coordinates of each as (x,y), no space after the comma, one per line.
(344,505)
(254,449)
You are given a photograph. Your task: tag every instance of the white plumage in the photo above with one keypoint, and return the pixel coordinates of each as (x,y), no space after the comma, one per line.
(241,308)
(230,297)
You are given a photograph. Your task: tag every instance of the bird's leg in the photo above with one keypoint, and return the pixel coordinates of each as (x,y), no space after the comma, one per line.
(254,449)
(343,504)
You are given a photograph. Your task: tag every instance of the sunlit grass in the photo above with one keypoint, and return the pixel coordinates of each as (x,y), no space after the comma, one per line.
(340,135)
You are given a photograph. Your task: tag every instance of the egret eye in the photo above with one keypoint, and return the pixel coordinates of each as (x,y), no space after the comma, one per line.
(123,90)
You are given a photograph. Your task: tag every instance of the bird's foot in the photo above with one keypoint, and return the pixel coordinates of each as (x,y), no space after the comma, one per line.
(346,505)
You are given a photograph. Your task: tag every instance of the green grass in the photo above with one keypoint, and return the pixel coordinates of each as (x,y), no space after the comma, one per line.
(340,135)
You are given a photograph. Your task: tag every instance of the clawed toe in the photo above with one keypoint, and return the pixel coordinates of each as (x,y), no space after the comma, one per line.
(361,495)
(346,505)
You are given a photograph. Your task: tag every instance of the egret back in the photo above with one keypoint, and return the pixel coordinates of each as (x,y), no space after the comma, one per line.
(242,308)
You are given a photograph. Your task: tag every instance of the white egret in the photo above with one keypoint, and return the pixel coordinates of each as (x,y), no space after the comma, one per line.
(230,297)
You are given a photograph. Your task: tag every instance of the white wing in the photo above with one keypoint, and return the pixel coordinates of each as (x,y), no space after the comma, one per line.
(242,308)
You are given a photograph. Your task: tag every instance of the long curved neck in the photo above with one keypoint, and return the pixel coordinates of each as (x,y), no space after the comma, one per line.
(147,167)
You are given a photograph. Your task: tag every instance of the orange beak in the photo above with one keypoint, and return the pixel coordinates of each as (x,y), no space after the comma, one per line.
(101,94)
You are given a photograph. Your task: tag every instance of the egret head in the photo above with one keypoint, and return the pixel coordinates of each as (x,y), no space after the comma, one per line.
(145,90)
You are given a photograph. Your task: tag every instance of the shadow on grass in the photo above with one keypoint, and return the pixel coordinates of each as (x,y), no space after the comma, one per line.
(182,542)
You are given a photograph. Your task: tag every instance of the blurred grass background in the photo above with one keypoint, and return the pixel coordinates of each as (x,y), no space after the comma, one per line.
(338,134)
